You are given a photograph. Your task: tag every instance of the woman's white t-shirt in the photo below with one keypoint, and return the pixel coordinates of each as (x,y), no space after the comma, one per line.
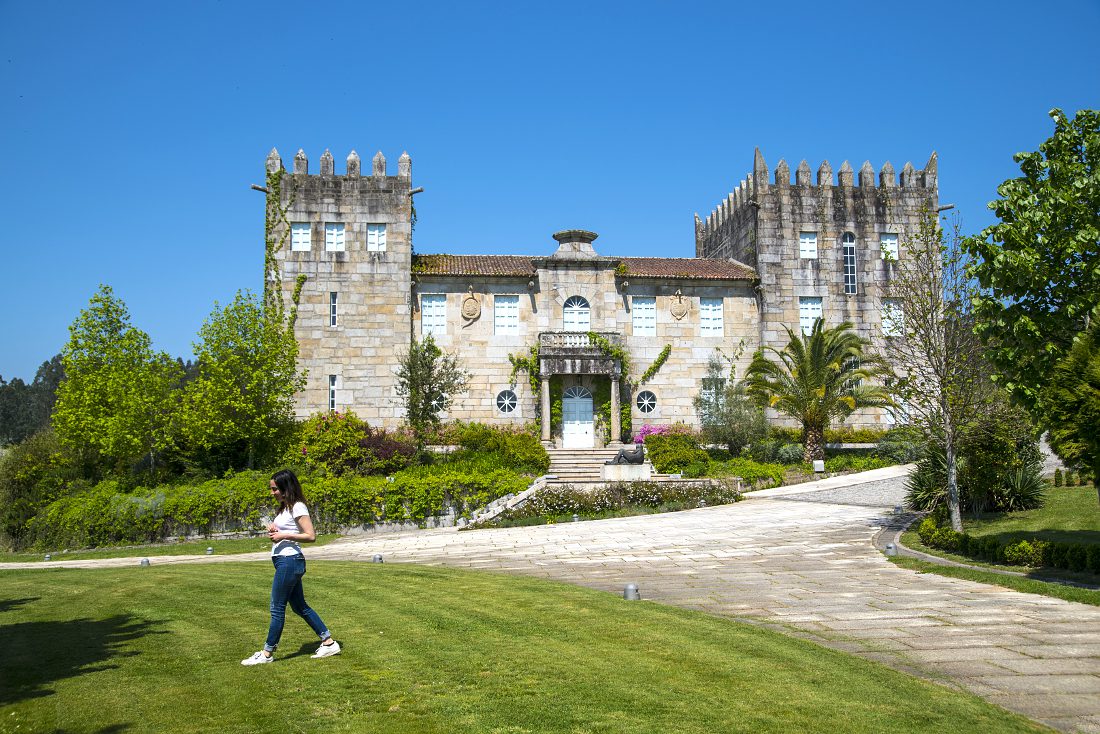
(287,522)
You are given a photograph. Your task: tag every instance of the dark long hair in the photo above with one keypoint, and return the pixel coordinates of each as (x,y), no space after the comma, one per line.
(289,487)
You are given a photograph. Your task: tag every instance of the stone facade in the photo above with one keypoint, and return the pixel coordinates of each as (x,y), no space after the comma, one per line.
(745,284)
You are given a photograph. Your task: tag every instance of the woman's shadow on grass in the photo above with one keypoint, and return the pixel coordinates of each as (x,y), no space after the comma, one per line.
(37,654)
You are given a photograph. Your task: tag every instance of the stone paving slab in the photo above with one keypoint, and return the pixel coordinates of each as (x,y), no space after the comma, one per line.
(800,560)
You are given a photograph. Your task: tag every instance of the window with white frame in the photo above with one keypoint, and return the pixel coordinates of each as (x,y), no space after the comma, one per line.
(506,314)
(433,314)
(710,317)
(576,315)
(849,365)
(809,311)
(507,402)
(893,318)
(849,244)
(333,301)
(807,245)
(888,244)
(643,315)
(376,238)
(646,402)
(712,392)
(332,392)
(300,240)
(334,236)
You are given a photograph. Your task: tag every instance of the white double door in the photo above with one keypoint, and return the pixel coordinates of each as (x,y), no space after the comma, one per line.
(577,424)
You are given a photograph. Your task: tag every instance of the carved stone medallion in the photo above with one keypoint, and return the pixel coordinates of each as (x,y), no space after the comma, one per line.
(471,307)
(678,306)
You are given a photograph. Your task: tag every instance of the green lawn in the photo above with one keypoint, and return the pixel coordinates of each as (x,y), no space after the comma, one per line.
(1071,514)
(426,650)
(231,546)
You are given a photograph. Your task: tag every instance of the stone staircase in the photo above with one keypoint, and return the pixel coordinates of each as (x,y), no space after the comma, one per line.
(578,466)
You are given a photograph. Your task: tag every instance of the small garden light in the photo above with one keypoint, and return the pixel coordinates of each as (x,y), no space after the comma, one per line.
(144,561)
(209,550)
(897,509)
(891,549)
(630,593)
(576,517)
(377,558)
(47,556)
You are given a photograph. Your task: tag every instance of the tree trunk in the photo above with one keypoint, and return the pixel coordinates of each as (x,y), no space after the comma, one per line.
(815,444)
(952,477)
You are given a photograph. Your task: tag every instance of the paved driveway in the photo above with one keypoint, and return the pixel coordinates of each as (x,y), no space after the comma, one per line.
(801,559)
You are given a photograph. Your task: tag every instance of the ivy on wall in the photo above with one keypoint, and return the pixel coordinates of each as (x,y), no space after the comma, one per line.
(657,364)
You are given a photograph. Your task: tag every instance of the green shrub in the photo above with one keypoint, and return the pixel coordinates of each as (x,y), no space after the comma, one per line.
(855,462)
(517,449)
(1077,557)
(338,444)
(751,472)
(849,434)
(945,539)
(555,501)
(901,445)
(1020,553)
(1058,477)
(672,453)
(926,530)
(1023,489)
(789,453)
(1092,558)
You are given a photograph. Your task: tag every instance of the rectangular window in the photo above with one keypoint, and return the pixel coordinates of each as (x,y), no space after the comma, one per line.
(888,244)
(376,238)
(712,393)
(433,314)
(893,318)
(851,363)
(809,311)
(807,245)
(332,392)
(849,268)
(300,237)
(506,314)
(334,236)
(333,298)
(643,315)
(710,317)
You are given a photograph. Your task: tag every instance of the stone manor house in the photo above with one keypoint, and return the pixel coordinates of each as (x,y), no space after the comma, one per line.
(772,254)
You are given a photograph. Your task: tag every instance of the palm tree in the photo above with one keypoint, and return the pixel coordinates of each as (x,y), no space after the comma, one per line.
(818,378)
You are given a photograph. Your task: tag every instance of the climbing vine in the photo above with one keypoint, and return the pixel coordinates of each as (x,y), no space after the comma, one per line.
(528,364)
(657,364)
(276,234)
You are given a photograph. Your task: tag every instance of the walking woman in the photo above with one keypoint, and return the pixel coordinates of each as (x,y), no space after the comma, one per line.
(291,527)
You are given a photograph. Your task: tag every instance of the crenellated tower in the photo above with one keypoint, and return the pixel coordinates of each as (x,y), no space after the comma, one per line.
(818,246)
(348,240)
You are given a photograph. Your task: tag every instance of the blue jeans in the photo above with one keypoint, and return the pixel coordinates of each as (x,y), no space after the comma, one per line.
(287,587)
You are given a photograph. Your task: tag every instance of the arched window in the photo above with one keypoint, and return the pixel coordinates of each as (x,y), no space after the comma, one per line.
(646,401)
(849,244)
(577,315)
(507,401)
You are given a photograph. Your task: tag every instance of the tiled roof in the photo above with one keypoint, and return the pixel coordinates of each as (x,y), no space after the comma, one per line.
(636,267)
(506,265)
(686,267)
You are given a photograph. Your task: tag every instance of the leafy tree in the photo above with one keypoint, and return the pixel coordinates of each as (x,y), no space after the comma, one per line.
(25,409)
(428,380)
(1072,397)
(728,416)
(817,378)
(118,399)
(1040,266)
(944,376)
(240,403)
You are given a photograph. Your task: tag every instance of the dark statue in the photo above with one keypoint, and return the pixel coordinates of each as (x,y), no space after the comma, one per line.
(630,456)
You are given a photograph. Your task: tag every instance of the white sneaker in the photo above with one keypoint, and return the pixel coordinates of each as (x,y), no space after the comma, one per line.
(325,651)
(258,658)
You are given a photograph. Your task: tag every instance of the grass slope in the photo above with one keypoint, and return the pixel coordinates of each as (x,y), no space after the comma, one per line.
(426,650)
(222,547)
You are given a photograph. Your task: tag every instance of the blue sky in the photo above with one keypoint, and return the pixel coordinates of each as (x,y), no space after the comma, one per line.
(131,131)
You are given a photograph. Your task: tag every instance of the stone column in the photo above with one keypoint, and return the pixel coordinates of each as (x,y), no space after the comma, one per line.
(616,422)
(545,401)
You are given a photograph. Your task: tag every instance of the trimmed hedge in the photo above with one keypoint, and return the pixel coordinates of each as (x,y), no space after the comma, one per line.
(104,516)
(555,501)
(1032,553)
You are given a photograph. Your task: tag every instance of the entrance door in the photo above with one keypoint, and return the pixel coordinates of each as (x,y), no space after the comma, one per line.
(576,414)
